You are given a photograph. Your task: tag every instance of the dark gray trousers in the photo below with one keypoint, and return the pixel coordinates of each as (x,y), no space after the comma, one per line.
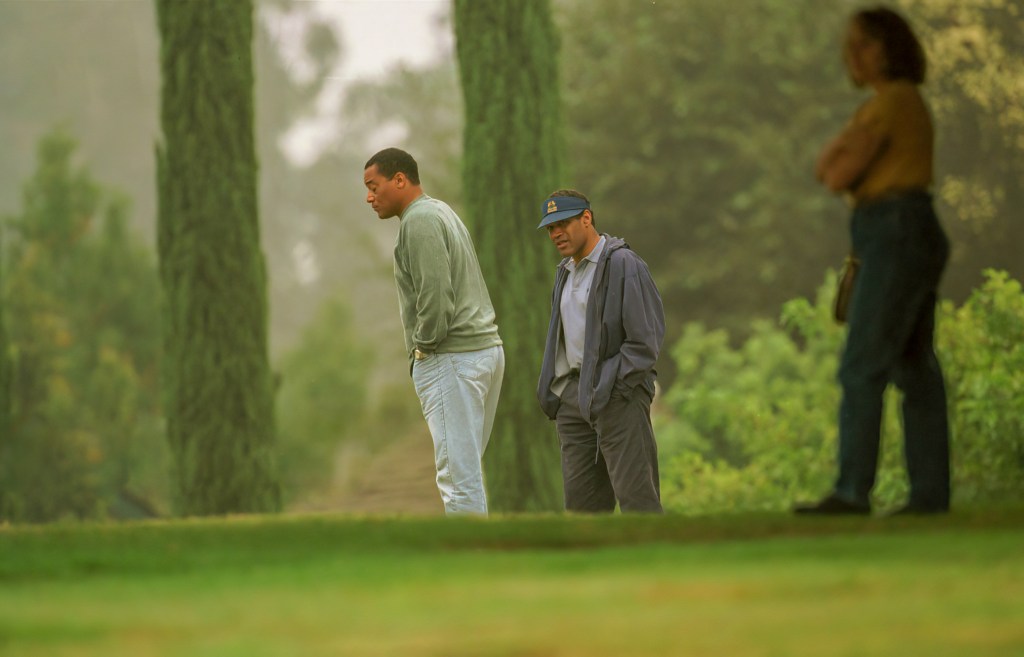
(616,459)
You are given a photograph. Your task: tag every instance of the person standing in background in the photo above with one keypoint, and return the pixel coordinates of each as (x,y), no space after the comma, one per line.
(456,358)
(882,162)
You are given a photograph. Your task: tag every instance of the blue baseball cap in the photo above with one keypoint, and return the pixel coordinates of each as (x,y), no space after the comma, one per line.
(557,208)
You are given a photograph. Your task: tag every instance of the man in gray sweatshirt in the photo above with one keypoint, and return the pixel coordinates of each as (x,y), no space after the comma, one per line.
(597,379)
(455,354)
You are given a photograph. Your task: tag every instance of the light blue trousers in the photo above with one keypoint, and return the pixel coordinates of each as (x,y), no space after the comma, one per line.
(459,395)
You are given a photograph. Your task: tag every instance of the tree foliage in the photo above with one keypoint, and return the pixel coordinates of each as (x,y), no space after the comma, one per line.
(218,389)
(976,86)
(95,67)
(322,398)
(513,156)
(83,436)
(697,141)
(5,364)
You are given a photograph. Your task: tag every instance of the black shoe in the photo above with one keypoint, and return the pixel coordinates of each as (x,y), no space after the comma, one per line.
(920,510)
(833,506)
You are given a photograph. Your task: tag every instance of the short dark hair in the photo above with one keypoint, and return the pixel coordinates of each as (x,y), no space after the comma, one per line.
(573,193)
(904,55)
(391,161)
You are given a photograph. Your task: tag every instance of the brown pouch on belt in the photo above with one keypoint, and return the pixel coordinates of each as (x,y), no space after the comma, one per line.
(844,287)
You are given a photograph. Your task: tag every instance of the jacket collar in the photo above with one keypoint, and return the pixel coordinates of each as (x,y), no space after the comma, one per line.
(611,243)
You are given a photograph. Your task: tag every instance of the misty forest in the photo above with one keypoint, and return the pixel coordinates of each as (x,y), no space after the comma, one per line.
(196,321)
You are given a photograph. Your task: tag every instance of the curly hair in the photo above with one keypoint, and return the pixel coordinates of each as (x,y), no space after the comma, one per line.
(394,160)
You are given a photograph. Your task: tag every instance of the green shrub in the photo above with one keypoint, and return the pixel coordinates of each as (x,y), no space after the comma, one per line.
(981,345)
(754,427)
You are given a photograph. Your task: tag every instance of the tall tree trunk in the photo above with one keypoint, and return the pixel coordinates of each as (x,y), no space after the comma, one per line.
(5,391)
(513,158)
(217,381)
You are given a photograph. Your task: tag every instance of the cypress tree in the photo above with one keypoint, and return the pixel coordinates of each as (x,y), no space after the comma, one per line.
(5,390)
(513,158)
(218,393)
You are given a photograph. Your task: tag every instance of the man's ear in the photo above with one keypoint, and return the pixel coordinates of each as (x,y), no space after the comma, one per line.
(400,180)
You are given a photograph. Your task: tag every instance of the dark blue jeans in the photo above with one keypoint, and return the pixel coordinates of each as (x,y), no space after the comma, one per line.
(903,251)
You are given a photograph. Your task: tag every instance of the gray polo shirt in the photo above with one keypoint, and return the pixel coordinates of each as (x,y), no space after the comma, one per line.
(573,311)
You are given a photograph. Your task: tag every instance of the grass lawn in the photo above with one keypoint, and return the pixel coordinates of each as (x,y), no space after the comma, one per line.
(524,586)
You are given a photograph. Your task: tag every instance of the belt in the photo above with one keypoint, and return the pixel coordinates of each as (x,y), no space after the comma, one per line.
(892,195)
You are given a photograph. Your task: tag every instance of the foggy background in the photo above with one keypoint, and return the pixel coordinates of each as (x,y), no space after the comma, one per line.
(692,130)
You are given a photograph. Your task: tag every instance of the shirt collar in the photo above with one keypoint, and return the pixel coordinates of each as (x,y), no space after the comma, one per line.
(595,253)
(593,256)
(415,201)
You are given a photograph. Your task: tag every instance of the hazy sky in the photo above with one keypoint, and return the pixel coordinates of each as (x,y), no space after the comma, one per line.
(376,36)
(379,33)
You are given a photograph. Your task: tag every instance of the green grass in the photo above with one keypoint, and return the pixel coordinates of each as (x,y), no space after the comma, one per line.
(529,586)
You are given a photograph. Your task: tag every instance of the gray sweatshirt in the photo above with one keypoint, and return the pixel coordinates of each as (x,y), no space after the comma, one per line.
(442,296)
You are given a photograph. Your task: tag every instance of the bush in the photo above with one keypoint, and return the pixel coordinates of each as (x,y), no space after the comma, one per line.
(981,345)
(754,427)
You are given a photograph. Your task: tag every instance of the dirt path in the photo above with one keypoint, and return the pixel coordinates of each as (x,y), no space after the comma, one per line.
(396,478)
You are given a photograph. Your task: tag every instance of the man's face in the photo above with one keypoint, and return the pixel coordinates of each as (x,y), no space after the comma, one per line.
(570,235)
(383,193)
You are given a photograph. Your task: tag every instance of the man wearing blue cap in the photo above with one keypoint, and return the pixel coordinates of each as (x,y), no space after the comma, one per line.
(456,358)
(597,378)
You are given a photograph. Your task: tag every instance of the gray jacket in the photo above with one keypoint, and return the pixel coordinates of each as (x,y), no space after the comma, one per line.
(625,328)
